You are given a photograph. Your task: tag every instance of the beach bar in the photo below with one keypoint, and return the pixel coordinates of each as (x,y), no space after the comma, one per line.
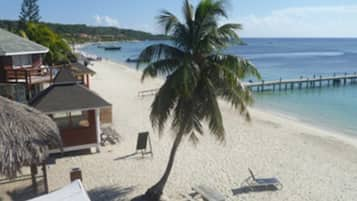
(75,109)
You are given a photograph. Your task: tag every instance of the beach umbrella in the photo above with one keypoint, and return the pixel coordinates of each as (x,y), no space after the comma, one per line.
(25,137)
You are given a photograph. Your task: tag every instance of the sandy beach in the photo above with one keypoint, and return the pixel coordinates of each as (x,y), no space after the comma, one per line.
(312,164)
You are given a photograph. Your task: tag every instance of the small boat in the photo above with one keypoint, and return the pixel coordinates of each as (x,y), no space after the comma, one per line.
(112,48)
(132,59)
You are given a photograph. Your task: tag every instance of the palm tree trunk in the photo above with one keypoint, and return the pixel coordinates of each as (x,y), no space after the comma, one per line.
(154,193)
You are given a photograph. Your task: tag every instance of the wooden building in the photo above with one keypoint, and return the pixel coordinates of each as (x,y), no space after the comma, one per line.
(74,108)
(82,72)
(21,65)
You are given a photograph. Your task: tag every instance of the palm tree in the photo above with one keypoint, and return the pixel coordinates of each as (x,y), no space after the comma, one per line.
(197,74)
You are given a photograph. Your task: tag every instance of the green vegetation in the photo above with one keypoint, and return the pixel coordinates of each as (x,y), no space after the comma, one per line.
(59,51)
(80,33)
(30,11)
(197,75)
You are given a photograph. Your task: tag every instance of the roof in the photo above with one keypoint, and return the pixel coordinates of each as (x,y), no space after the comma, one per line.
(67,97)
(79,68)
(65,76)
(25,135)
(72,192)
(12,44)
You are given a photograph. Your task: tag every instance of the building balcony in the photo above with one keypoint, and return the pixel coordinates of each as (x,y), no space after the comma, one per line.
(29,76)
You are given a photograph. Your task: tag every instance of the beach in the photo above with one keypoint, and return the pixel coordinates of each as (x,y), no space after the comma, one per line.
(312,163)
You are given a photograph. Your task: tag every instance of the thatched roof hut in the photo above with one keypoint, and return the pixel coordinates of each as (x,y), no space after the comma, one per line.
(25,135)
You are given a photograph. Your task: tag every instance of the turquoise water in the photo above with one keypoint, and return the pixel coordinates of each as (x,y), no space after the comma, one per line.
(333,108)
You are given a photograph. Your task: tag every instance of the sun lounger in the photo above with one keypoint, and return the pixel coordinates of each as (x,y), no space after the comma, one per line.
(263,183)
(208,193)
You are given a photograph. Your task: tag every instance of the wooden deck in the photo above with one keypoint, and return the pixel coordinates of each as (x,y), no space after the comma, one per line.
(288,84)
(300,83)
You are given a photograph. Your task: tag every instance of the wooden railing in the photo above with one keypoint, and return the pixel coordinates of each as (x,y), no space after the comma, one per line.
(27,74)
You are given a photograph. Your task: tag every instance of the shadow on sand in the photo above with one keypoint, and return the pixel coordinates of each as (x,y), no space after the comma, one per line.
(251,189)
(25,193)
(110,193)
(135,155)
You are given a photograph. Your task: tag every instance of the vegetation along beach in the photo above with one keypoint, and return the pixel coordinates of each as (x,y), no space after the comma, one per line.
(204,104)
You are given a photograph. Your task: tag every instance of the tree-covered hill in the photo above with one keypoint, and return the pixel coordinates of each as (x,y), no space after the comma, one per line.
(80,33)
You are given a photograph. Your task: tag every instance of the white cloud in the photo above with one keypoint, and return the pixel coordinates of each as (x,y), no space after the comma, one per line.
(318,21)
(106,21)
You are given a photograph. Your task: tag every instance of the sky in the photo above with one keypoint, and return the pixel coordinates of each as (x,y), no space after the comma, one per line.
(260,18)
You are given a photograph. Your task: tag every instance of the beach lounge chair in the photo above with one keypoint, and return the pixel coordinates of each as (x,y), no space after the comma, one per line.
(262,183)
(207,193)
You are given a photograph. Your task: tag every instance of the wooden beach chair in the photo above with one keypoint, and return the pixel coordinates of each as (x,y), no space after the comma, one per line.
(207,194)
(257,184)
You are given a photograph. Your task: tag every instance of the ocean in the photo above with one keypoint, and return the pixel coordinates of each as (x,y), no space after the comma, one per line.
(332,108)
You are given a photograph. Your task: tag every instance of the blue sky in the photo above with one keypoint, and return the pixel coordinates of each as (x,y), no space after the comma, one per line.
(260,18)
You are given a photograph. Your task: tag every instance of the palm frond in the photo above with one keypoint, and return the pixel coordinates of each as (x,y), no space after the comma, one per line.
(228,33)
(188,12)
(162,67)
(240,66)
(211,110)
(210,9)
(157,52)
(165,100)
(167,20)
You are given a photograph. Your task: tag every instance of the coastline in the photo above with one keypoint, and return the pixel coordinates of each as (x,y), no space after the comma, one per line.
(322,131)
(301,156)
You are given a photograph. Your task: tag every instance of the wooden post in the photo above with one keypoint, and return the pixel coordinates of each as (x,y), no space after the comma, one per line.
(16,75)
(75,174)
(262,89)
(33,178)
(344,80)
(273,87)
(51,75)
(280,85)
(45,179)
(320,81)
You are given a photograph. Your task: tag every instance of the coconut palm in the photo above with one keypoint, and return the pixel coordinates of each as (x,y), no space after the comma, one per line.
(197,73)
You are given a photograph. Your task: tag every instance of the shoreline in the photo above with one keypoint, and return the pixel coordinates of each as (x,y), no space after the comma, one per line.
(321,131)
(329,132)
(270,145)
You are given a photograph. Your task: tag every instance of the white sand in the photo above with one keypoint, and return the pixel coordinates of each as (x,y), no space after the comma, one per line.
(311,163)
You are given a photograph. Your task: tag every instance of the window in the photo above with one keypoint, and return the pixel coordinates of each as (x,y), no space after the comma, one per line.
(77,119)
(22,61)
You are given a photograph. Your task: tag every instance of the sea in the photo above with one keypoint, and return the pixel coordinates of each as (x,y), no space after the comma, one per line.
(331,108)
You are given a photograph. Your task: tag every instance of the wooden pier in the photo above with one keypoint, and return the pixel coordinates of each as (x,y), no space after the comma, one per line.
(300,83)
(288,84)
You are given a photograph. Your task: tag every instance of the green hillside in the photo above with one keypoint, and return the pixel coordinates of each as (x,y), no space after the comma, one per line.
(80,33)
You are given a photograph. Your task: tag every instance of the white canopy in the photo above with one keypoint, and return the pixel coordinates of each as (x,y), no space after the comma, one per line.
(73,192)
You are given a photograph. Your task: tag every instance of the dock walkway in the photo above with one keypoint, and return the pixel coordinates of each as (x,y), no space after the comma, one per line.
(314,82)
(288,84)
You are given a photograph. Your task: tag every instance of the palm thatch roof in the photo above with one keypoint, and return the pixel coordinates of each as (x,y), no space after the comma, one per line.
(25,137)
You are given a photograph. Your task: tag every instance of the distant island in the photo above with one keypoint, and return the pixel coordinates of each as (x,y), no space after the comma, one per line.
(81,33)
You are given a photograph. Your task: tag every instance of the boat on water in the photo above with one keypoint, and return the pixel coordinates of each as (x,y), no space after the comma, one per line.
(132,59)
(112,48)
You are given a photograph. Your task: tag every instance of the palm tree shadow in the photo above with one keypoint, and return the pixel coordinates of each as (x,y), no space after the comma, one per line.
(110,193)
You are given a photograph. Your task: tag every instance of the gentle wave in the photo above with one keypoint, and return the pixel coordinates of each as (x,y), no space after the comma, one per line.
(294,54)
